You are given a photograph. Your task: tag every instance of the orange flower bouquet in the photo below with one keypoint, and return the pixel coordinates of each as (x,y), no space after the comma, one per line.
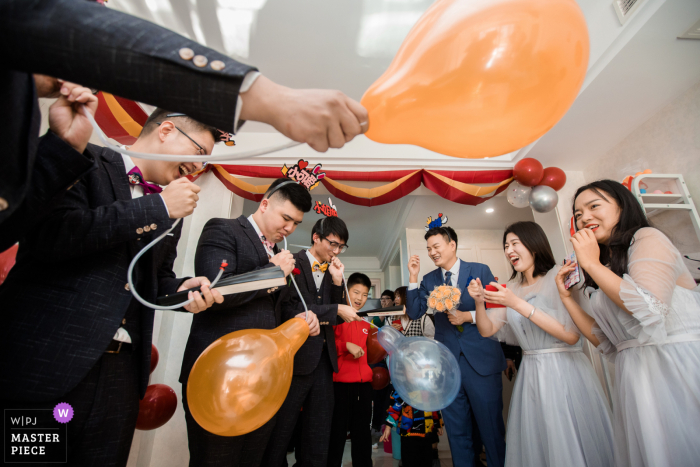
(444,298)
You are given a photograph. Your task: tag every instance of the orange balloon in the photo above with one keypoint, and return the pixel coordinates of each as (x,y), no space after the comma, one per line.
(241,380)
(481,78)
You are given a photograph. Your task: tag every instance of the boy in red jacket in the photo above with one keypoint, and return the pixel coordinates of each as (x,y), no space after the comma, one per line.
(352,384)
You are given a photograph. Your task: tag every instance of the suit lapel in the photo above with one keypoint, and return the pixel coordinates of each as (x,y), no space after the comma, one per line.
(253,236)
(306,270)
(117,174)
(463,281)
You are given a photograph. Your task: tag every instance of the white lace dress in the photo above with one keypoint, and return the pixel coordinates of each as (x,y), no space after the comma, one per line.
(559,415)
(656,351)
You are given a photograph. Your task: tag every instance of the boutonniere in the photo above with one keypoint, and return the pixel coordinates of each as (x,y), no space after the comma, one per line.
(296,272)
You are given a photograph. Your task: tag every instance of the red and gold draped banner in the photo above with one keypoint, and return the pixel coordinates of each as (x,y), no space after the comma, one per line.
(120,119)
(456,186)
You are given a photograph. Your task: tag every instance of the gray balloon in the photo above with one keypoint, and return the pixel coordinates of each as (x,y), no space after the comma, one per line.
(543,198)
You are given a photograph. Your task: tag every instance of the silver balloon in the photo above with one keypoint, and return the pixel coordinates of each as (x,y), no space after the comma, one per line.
(543,198)
(518,195)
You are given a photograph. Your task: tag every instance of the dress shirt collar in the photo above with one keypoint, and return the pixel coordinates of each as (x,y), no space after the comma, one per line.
(454,270)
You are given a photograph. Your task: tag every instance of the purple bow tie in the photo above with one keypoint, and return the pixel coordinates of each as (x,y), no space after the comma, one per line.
(136,178)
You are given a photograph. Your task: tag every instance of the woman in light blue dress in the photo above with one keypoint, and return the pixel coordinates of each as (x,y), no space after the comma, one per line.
(558,413)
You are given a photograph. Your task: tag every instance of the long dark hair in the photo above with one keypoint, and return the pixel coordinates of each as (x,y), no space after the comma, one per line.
(534,239)
(401,293)
(632,218)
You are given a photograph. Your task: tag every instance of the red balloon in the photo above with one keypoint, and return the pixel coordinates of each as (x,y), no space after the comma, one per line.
(380,378)
(553,177)
(156,407)
(7,260)
(375,352)
(528,172)
(154,358)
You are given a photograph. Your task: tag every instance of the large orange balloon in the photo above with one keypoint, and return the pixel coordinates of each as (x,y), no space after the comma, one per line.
(240,381)
(481,78)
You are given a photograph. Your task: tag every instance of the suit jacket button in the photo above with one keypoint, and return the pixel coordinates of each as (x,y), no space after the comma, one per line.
(146,228)
(319,297)
(127,286)
(186,53)
(154,226)
(139,231)
(3,204)
(217,65)
(200,61)
(124,320)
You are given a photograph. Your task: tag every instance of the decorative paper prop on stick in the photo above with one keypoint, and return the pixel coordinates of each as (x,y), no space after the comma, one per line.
(226,138)
(328,211)
(438,222)
(423,371)
(156,407)
(481,78)
(302,173)
(241,380)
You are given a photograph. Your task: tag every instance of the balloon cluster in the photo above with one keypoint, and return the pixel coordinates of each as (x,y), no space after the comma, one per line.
(535,186)
(423,371)
(158,405)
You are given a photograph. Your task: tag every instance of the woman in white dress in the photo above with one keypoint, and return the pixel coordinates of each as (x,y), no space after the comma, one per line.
(558,413)
(646,319)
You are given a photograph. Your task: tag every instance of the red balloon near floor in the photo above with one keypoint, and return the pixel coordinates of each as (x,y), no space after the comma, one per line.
(154,358)
(553,177)
(380,378)
(528,172)
(375,352)
(156,407)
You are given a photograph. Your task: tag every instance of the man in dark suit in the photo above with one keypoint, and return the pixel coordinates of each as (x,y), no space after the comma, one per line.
(480,360)
(86,43)
(72,331)
(247,244)
(321,283)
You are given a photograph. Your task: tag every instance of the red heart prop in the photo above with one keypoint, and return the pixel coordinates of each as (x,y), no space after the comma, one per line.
(440,215)
(303,164)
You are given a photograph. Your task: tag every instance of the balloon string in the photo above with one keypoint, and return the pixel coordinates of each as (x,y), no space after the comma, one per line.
(306,308)
(177,158)
(130,279)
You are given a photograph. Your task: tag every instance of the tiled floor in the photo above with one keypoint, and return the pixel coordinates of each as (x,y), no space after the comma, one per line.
(382,459)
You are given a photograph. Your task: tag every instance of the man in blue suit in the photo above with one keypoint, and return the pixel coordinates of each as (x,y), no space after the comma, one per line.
(480,360)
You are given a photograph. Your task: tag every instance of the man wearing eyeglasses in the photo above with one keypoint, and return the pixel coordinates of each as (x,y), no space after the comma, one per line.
(321,283)
(72,331)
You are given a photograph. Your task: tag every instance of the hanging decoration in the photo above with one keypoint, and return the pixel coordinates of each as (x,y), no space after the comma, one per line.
(121,119)
(327,210)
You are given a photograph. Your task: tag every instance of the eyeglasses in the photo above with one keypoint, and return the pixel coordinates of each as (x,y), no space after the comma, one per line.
(200,150)
(335,245)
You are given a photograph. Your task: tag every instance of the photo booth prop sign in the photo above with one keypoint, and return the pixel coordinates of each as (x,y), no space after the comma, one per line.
(328,211)
(435,223)
(300,172)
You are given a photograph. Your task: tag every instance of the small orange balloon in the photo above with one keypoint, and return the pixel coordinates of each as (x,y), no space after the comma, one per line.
(481,78)
(241,380)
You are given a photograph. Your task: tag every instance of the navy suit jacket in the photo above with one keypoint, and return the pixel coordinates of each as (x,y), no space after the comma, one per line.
(483,354)
(66,296)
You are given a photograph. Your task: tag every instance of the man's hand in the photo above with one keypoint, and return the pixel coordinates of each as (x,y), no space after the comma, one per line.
(312,320)
(336,268)
(285,260)
(347,313)
(181,197)
(321,118)
(66,118)
(413,269)
(439,431)
(459,317)
(510,370)
(200,302)
(354,349)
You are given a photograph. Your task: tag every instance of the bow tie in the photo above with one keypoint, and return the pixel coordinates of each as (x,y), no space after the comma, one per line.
(319,267)
(136,178)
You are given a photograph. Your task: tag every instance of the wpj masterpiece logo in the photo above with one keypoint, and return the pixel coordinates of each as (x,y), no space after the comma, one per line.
(37,435)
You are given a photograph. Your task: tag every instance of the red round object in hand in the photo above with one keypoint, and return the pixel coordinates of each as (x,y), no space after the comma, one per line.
(553,177)
(380,378)
(156,407)
(7,260)
(154,358)
(528,172)
(375,352)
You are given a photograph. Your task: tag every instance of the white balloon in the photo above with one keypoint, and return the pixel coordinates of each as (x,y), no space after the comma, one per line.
(543,198)
(518,195)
